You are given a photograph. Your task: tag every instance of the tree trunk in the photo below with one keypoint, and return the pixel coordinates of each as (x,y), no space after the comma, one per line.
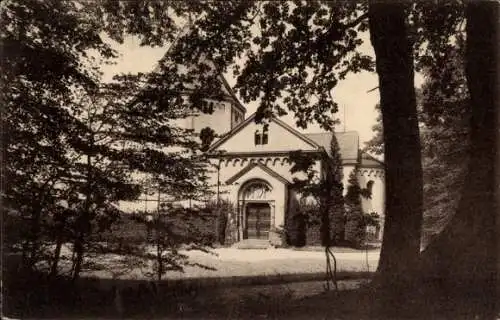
(403,209)
(463,257)
(78,257)
(61,221)
(83,225)
(57,256)
(33,243)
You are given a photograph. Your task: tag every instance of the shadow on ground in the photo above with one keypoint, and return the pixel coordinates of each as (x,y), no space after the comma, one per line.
(263,297)
(211,298)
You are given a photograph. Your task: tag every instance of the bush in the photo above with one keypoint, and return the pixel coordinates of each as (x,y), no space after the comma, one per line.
(303,224)
(221,212)
(337,221)
(296,234)
(354,228)
(221,226)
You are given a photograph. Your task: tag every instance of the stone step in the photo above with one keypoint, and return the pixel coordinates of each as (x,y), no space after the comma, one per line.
(252,244)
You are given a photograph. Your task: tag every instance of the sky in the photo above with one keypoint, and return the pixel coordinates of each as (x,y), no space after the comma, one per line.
(356,104)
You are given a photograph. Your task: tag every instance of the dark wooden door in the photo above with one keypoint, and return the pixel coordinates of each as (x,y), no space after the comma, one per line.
(258,220)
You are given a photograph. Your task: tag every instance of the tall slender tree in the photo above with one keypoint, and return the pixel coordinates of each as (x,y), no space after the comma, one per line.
(337,209)
(354,226)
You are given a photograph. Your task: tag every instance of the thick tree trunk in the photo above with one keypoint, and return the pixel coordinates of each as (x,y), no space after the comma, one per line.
(463,257)
(403,209)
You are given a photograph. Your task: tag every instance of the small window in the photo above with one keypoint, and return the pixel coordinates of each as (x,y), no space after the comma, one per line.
(207,107)
(204,106)
(237,118)
(369,186)
(262,138)
(265,134)
(257,137)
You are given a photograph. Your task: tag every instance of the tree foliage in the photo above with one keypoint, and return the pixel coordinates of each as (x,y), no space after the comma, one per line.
(354,225)
(74,146)
(40,67)
(309,183)
(335,175)
(325,188)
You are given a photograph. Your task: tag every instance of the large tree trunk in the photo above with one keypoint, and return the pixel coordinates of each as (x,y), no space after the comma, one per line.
(463,257)
(403,209)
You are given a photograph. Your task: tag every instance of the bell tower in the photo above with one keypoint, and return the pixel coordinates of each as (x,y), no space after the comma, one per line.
(220,115)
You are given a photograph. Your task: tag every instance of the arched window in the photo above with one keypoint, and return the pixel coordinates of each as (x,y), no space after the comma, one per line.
(257,137)
(207,106)
(369,186)
(265,134)
(262,138)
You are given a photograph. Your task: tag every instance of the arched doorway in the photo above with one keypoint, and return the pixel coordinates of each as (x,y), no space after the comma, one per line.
(256,209)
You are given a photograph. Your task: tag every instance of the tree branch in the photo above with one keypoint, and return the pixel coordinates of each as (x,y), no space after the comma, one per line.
(343,27)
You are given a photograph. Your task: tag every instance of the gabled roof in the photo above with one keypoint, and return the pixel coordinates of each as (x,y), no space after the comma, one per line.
(253,165)
(225,87)
(369,161)
(241,125)
(348,143)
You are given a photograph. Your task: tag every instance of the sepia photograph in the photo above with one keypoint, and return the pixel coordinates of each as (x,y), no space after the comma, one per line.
(250,159)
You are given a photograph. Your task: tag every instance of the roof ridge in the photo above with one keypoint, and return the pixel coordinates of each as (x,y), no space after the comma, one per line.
(250,166)
(183,31)
(242,124)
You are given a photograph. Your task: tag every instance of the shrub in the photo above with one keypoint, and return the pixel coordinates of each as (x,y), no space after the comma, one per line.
(221,226)
(303,223)
(295,225)
(372,220)
(221,212)
(354,228)
(297,233)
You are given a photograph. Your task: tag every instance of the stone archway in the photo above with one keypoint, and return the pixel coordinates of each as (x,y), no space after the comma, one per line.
(256,209)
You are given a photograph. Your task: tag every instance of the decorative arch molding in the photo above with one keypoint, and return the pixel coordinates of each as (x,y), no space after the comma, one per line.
(236,162)
(244,162)
(375,173)
(254,192)
(255,189)
(276,161)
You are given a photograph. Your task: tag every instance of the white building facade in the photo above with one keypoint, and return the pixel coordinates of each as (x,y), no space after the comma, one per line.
(253,165)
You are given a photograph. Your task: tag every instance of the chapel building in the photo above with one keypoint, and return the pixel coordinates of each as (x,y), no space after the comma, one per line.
(252,164)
